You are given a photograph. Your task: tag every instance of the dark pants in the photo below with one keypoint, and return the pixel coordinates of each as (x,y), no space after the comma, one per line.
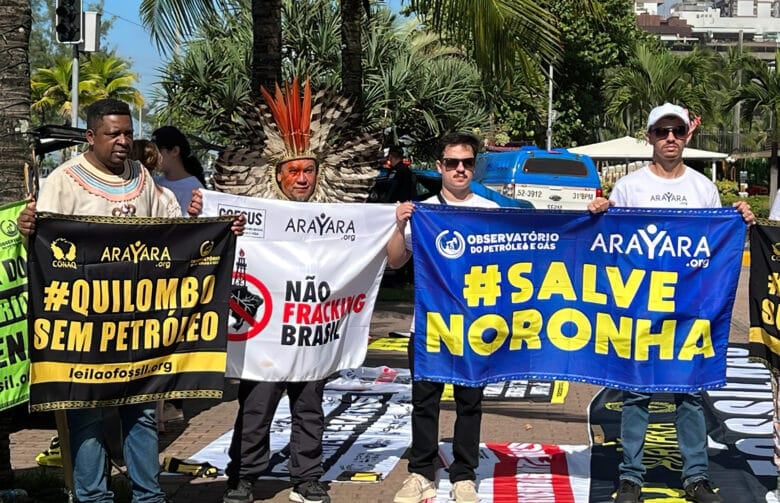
(426,397)
(250,447)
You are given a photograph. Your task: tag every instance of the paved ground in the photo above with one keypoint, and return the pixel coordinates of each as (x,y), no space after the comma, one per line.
(502,422)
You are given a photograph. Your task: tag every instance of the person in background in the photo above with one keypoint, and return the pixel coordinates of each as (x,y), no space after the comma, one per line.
(181,174)
(181,170)
(402,182)
(774,212)
(456,164)
(666,182)
(147,153)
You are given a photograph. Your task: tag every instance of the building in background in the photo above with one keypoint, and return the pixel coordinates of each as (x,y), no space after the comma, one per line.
(720,24)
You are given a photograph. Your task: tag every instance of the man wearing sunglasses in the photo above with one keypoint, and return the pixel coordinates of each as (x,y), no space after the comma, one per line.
(456,165)
(666,182)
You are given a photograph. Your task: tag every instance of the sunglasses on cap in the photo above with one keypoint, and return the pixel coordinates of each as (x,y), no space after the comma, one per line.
(679,132)
(451,163)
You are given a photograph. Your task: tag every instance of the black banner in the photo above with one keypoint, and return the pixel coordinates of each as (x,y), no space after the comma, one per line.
(127,310)
(765,294)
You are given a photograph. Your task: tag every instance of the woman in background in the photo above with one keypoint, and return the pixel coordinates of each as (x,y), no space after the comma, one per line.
(147,153)
(181,170)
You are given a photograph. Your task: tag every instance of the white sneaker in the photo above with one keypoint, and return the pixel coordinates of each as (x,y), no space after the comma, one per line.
(464,491)
(416,489)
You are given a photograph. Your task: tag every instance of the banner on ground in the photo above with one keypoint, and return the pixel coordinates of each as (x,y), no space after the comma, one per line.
(739,432)
(510,472)
(14,359)
(305,281)
(365,436)
(522,389)
(127,310)
(765,294)
(632,299)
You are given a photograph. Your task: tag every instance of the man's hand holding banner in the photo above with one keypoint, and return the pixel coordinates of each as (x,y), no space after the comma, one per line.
(633,299)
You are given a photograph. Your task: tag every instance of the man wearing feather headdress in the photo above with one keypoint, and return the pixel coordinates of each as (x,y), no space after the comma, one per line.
(308,154)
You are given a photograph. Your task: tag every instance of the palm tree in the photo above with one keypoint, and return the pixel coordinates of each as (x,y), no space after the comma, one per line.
(266,44)
(51,96)
(206,89)
(100,76)
(351,54)
(109,76)
(401,95)
(503,36)
(15,24)
(172,22)
(653,78)
(760,93)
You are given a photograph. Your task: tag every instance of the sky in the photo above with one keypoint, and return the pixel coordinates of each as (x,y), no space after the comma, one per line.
(132,42)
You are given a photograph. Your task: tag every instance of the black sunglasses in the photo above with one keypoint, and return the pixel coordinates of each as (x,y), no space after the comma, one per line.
(451,163)
(679,132)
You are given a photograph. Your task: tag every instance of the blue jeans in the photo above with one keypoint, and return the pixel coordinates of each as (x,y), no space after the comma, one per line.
(691,436)
(140,448)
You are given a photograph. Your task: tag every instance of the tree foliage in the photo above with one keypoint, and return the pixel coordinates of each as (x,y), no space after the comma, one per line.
(501,36)
(101,76)
(760,94)
(592,44)
(651,78)
(206,87)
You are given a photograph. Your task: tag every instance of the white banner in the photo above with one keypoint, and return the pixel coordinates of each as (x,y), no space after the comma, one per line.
(365,436)
(525,472)
(305,279)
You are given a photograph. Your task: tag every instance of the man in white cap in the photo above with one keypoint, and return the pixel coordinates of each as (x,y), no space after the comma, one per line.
(666,182)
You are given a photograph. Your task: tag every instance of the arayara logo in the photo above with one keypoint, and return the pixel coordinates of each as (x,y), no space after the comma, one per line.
(450,244)
(652,243)
(670,197)
(320,225)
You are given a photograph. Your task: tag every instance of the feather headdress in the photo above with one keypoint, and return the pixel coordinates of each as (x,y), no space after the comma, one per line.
(301,126)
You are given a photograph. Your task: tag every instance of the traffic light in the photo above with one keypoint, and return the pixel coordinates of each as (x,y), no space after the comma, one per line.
(68,23)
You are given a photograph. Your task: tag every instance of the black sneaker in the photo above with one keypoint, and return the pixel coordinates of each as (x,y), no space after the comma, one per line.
(628,492)
(310,491)
(701,492)
(241,493)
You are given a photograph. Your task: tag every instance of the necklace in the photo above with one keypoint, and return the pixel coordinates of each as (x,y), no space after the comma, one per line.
(126,209)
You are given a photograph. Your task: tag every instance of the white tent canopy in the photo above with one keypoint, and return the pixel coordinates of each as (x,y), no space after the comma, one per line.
(627,147)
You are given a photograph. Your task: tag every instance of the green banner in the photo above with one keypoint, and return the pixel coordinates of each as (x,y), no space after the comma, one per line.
(14,361)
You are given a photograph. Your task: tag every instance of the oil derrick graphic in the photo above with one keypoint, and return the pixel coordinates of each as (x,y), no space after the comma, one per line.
(240,296)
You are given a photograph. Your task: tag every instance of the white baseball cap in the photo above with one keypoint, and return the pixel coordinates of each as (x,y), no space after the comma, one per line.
(668,110)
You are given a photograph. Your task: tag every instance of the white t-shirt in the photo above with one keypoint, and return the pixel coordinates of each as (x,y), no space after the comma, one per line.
(645,189)
(474,201)
(774,213)
(181,188)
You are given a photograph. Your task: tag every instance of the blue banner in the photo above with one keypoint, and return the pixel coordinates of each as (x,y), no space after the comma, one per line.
(635,299)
